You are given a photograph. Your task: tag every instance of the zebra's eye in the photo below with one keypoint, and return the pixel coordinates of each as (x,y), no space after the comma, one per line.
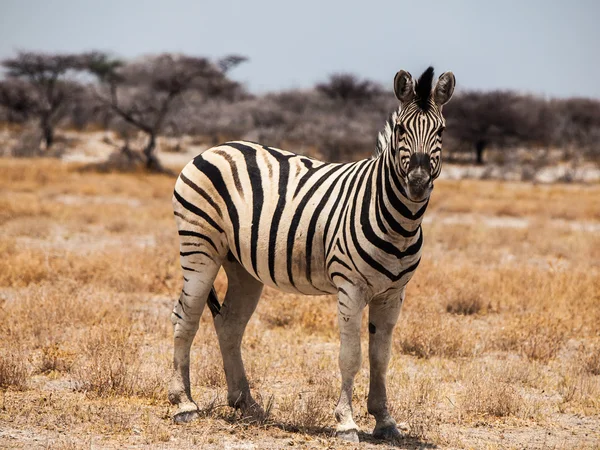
(440,131)
(400,130)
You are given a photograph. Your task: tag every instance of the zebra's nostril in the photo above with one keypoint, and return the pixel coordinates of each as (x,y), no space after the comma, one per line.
(419,176)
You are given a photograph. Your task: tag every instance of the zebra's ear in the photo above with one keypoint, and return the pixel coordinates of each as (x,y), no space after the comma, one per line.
(404,86)
(444,88)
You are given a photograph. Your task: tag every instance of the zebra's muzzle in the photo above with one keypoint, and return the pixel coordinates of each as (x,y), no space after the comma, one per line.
(419,177)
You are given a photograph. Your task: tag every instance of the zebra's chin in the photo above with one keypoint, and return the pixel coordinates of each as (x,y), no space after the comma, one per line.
(418,192)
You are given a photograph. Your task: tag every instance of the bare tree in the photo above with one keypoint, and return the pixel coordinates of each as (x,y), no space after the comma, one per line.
(40,85)
(348,87)
(144,92)
(500,119)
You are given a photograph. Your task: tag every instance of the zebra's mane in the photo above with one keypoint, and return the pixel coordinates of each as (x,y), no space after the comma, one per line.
(423,89)
(384,138)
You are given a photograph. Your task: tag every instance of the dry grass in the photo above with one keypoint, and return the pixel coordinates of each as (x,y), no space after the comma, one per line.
(489,395)
(499,332)
(13,370)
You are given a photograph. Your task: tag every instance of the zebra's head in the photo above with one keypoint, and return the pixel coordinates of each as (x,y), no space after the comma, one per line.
(416,139)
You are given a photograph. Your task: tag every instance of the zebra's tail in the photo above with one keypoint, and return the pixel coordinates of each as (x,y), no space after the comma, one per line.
(213,303)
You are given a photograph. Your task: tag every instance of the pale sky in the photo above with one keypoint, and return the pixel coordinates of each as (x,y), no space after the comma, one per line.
(546,47)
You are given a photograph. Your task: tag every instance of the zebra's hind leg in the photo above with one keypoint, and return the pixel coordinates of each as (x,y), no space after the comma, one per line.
(199,274)
(243,293)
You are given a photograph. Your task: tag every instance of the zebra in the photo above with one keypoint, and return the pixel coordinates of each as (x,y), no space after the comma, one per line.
(301,225)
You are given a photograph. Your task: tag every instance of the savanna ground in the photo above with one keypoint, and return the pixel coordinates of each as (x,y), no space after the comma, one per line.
(498,344)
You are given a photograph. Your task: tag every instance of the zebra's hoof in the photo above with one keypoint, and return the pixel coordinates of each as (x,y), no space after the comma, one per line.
(186,416)
(347,435)
(389,433)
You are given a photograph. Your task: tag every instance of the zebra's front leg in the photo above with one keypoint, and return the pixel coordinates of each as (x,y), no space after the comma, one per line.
(350,308)
(383,315)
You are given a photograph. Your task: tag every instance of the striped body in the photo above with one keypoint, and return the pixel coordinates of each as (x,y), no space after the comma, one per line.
(296,223)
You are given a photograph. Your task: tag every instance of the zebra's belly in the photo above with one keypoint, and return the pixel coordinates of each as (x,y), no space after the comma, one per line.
(288,270)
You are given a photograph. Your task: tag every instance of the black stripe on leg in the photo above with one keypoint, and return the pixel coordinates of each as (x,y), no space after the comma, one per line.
(196,253)
(199,236)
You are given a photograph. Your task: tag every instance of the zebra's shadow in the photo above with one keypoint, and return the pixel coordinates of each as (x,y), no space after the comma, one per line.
(407,442)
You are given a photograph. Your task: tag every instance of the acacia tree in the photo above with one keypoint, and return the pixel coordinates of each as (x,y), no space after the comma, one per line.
(40,85)
(497,119)
(144,92)
(348,87)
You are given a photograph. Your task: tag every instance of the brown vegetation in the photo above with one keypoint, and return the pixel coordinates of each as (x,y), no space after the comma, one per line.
(497,345)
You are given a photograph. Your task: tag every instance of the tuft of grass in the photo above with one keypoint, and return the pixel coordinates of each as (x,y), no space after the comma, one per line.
(464,294)
(464,305)
(426,334)
(308,410)
(414,403)
(13,370)
(537,337)
(590,361)
(209,372)
(487,396)
(579,392)
(111,366)
(56,359)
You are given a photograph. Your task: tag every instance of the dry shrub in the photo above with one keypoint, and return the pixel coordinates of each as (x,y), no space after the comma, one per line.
(427,333)
(316,320)
(536,337)
(590,360)
(21,266)
(579,392)
(592,363)
(464,305)
(414,401)
(13,370)
(209,371)
(110,361)
(464,292)
(53,313)
(55,359)
(308,410)
(282,318)
(516,369)
(117,226)
(312,315)
(489,396)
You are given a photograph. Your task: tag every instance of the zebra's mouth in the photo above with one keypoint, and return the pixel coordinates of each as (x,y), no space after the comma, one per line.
(419,189)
